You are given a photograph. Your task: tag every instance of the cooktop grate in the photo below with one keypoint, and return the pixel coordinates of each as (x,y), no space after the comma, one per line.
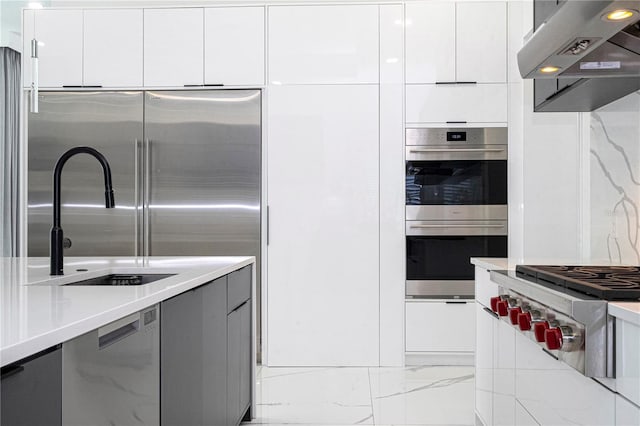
(605,282)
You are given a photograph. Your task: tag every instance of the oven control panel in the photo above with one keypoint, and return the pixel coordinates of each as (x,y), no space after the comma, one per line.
(557,333)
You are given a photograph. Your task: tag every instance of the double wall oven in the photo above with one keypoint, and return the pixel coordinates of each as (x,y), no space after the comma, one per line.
(456,207)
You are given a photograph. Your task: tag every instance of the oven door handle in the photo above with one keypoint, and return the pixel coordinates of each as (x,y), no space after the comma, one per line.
(456,150)
(456,226)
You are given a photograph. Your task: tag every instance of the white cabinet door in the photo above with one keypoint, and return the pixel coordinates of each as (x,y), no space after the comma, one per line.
(430,42)
(234,46)
(323,252)
(472,103)
(440,326)
(323,44)
(504,376)
(523,418)
(113,47)
(627,360)
(627,413)
(481,42)
(486,324)
(59,35)
(173,47)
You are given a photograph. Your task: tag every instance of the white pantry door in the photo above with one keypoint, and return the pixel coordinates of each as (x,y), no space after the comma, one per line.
(323,252)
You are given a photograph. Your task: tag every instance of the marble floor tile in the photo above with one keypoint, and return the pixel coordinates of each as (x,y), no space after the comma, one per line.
(313,396)
(381,396)
(423,395)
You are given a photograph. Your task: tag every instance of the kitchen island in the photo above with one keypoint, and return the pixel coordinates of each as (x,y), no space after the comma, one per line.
(39,312)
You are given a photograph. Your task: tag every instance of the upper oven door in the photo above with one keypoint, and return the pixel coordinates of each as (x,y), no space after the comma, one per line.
(453,180)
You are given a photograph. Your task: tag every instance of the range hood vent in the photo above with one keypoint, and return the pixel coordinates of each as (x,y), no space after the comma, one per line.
(579,42)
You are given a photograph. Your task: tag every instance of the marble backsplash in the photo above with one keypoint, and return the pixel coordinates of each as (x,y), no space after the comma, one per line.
(615,181)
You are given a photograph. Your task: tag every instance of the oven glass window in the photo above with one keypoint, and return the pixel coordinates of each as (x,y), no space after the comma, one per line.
(447,257)
(456,182)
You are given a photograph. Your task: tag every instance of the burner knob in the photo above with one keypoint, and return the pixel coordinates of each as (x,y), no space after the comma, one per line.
(524,321)
(571,340)
(539,330)
(503,308)
(553,338)
(513,315)
(494,303)
(531,316)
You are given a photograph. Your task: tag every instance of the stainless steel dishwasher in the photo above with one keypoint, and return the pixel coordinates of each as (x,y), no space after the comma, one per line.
(111,376)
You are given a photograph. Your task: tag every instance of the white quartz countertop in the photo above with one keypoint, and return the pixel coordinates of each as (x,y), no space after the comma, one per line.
(627,311)
(492,263)
(37,312)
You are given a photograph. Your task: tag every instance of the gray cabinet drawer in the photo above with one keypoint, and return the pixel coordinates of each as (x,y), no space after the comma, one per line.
(238,288)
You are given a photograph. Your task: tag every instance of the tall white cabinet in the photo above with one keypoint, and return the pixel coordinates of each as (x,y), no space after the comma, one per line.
(323,225)
(324,183)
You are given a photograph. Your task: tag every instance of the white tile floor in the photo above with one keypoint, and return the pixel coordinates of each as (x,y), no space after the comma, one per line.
(365,396)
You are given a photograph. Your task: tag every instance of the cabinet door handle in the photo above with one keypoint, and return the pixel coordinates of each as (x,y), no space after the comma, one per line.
(456,122)
(418,150)
(240,305)
(490,312)
(456,302)
(118,334)
(455,226)
(11,371)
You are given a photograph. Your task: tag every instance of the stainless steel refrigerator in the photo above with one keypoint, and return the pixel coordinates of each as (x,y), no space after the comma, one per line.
(185,166)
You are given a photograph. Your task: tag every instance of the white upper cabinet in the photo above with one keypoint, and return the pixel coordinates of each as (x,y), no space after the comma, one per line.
(456,42)
(59,35)
(325,44)
(430,42)
(234,46)
(113,47)
(481,42)
(173,47)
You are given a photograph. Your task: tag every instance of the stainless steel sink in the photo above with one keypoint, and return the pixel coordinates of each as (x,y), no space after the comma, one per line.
(122,279)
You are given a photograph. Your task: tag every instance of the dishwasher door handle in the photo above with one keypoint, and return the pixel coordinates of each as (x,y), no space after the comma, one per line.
(119,330)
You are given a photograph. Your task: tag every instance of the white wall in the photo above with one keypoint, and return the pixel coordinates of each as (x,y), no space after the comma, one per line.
(11,22)
(615,181)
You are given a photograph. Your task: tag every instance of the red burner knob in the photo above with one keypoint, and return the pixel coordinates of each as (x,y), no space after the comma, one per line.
(553,337)
(513,315)
(539,329)
(494,303)
(524,321)
(503,308)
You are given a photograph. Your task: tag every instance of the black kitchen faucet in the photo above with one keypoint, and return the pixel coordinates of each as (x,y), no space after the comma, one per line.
(56,231)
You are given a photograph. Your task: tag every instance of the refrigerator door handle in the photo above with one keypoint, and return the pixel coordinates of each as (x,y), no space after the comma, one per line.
(147,197)
(137,202)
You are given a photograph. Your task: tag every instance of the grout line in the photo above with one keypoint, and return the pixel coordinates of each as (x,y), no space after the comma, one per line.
(373,414)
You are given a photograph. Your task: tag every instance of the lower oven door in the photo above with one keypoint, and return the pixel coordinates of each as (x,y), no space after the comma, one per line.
(438,254)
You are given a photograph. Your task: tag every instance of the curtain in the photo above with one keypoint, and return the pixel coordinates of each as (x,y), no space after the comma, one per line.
(9,139)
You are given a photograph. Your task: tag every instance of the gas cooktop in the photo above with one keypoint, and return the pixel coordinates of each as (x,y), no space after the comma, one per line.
(604,282)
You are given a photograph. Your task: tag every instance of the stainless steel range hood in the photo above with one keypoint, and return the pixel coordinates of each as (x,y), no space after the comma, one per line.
(595,58)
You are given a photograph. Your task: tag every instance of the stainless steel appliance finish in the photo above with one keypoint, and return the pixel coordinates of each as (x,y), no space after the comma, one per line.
(436,245)
(99,365)
(472,153)
(463,136)
(586,337)
(203,172)
(186,171)
(498,212)
(108,121)
(456,207)
(579,40)
(457,227)
(599,60)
